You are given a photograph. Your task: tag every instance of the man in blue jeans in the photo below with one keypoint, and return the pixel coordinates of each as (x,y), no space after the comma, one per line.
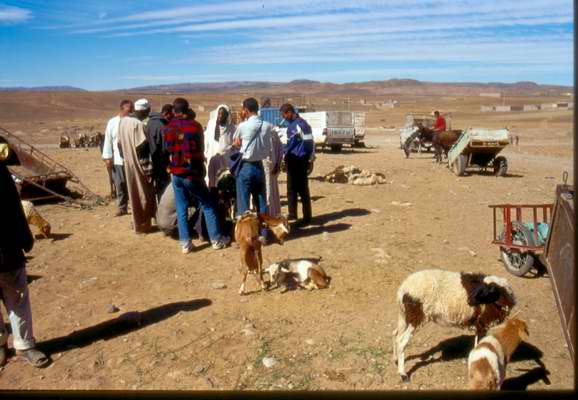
(253,136)
(184,142)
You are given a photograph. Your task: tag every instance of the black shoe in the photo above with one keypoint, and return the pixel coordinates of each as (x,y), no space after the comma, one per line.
(120,213)
(291,217)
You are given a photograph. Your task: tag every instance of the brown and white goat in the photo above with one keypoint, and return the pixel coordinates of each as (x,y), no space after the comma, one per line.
(487,361)
(33,217)
(304,273)
(247,231)
(466,300)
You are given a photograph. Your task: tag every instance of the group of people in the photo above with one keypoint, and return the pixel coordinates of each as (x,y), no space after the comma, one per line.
(165,163)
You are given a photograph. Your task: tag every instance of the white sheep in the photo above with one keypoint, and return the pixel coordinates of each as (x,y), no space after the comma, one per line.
(466,300)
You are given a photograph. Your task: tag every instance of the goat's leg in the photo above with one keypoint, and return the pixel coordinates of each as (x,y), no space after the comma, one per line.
(242,289)
(260,268)
(402,339)
(400,324)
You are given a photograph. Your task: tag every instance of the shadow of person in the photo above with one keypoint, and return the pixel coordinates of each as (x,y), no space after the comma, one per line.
(348,212)
(121,325)
(317,230)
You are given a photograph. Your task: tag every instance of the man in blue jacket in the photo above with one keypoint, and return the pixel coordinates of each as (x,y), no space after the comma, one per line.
(298,156)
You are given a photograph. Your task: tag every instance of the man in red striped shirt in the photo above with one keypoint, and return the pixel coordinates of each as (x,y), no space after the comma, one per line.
(184,142)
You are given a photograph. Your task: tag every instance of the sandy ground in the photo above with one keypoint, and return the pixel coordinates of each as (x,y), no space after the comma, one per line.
(175,331)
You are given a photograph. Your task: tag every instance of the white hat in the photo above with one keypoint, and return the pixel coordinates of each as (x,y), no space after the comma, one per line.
(141,105)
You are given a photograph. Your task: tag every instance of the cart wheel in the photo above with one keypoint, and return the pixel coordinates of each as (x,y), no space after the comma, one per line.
(459,165)
(500,166)
(516,262)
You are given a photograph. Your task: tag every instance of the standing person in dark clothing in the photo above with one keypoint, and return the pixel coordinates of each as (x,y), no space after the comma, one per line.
(299,153)
(160,159)
(15,239)
(183,140)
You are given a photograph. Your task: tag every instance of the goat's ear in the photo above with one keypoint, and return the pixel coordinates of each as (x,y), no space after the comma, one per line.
(484,294)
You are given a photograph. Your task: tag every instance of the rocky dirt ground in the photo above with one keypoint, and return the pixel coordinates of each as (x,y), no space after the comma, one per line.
(181,324)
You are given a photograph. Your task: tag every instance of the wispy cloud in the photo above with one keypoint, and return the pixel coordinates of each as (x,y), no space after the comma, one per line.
(11,15)
(276,40)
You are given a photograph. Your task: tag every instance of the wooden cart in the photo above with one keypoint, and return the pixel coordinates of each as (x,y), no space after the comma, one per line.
(39,177)
(479,147)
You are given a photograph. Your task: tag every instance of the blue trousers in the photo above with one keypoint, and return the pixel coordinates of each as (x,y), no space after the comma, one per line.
(251,182)
(185,191)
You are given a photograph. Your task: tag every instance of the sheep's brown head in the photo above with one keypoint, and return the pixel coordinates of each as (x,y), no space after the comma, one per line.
(505,298)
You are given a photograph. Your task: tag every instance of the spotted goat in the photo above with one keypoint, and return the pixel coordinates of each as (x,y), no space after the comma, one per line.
(487,361)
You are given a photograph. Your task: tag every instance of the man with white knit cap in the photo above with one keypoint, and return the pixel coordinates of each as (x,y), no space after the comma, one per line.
(142,110)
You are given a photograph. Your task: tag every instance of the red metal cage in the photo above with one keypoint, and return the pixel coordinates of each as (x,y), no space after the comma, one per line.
(539,213)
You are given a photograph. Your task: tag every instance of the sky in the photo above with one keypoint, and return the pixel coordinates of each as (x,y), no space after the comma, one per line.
(109,44)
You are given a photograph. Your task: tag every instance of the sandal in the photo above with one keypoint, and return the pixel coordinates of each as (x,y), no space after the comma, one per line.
(34,357)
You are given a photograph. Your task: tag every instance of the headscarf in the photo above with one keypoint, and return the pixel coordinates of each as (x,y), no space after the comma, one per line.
(216,140)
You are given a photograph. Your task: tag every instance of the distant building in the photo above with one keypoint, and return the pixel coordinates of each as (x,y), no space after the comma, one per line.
(488,108)
(503,108)
(491,94)
(531,107)
(549,106)
(390,104)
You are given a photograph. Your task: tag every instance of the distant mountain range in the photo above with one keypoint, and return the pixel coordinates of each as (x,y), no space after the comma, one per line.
(309,87)
(392,86)
(42,89)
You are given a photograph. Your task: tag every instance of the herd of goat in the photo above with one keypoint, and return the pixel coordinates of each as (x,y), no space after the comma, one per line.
(477,302)
(82,140)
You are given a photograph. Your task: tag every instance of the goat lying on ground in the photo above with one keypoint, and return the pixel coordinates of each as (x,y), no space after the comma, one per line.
(33,217)
(304,273)
(247,232)
(467,300)
(487,361)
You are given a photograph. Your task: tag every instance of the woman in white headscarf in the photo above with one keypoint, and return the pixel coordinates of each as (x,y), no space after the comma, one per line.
(218,141)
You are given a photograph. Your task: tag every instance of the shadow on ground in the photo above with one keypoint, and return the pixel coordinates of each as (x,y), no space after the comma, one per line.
(123,324)
(333,216)
(56,237)
(460,347)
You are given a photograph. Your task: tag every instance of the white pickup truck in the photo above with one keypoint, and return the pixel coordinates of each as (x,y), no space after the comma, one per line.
(331,128)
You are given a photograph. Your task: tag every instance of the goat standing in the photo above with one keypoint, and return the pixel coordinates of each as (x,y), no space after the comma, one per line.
(247,236)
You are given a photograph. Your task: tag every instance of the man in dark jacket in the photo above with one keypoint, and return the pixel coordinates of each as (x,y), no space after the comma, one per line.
(160,159)
(15,239)
(299,153)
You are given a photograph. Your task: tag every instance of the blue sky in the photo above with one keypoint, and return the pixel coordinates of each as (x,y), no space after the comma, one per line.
(106,44)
